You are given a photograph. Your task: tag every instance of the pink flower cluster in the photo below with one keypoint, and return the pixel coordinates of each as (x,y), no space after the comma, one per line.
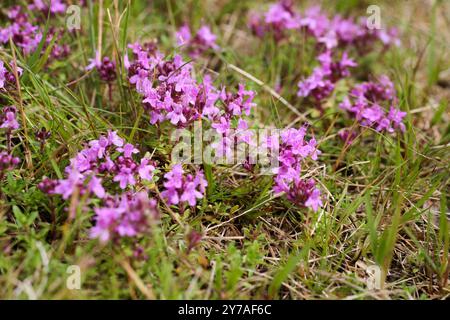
(320,84)
(109,160)
(199,43)
(236,105)
(54,7)
(105,67)
(8,119)
(294,150)
(172,94)
(98,168)
(8,122)
(26,35)
(331,34)
(7,78)
(368,103)
(106,160)
(180,188)
(328,32)
(343,32)
(7,162)
(127,215)
(280,17)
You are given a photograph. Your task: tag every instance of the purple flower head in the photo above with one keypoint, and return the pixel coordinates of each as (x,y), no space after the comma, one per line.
(128,150)
(184,35)
(56,6)
(206,37)
(104,162)
(396,116)
(280,18)
(369,101)
(74,181)
(328,33)
(183,188)
(347,136)
(113,138)
(26,32)
(47,185)
(126,216)
(223,126)
(320,84)
(170,92)
(316,86)
(146,169)
(199,43)
(7,162)
(294,150)
(314,201)
(7,78)
(3,73)
(238,103)
(105,67)
(174,178)
(8,119)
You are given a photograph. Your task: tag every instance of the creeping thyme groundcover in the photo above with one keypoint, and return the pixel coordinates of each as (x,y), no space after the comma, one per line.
(302,114)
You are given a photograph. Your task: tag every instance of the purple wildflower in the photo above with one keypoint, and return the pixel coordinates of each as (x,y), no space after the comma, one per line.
(8,119)
(368,103)
(55,6)
(294,149)
(196,45)
(27,34)
(171,93)
(47,185)
(280,17)
(329,33)
(320,84)
(183,188)
(7,162)
(105,67)
(94,167)
(7,78)
(125,216)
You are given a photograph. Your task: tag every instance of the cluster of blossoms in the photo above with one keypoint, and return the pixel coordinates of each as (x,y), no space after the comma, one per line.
(345,32)
(327,32)
(293,151)
(9,123)
(106,67)
(107,159)
(197,44)
(180,188)
(104,163)
(127,215)
(7,162)
(26,35)
(331,35)
(7,78)
(49,6)
(368,103)
(8,119)
(320,84)
(236,105)
(334,35)
(170,92)
(277,20)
